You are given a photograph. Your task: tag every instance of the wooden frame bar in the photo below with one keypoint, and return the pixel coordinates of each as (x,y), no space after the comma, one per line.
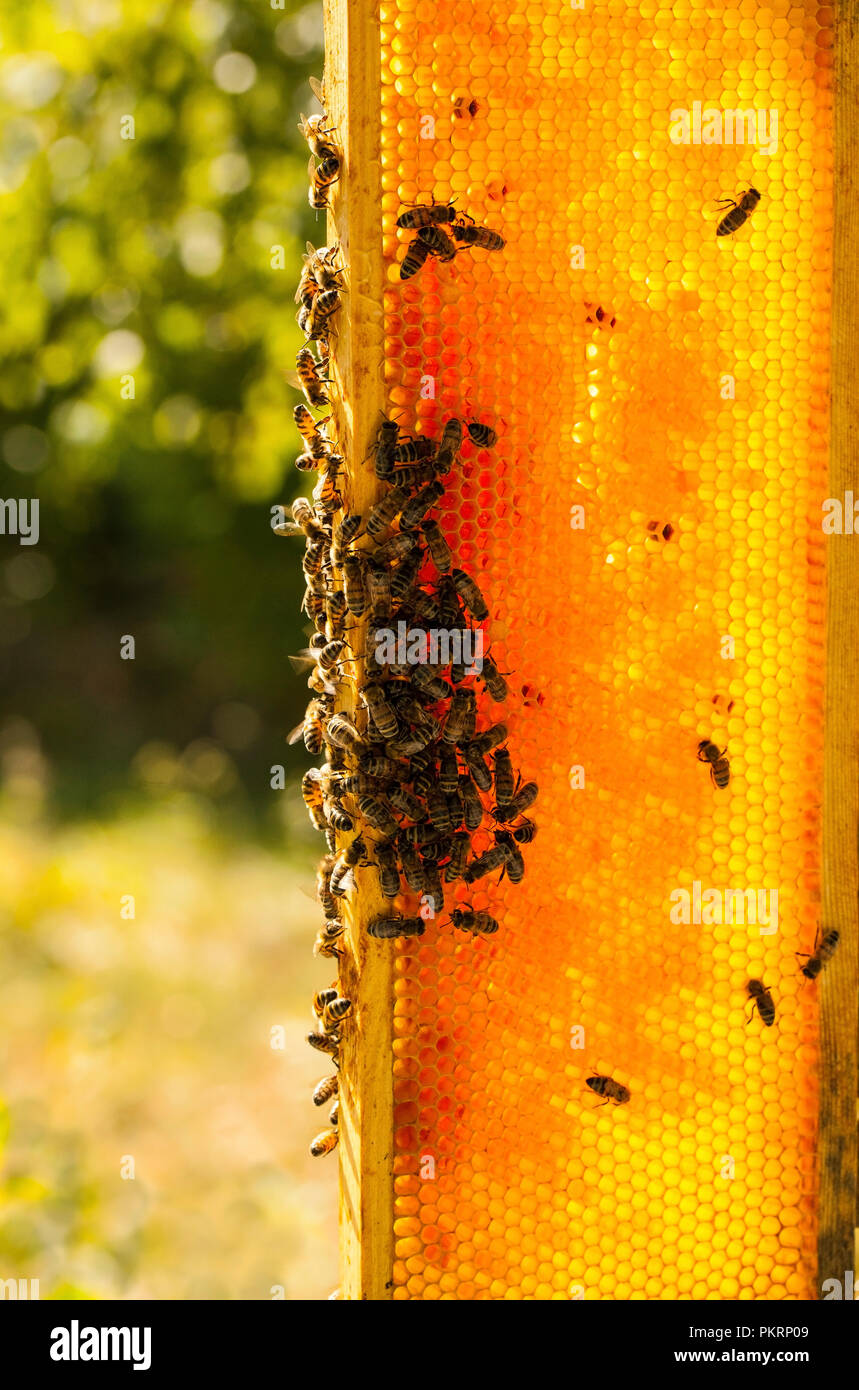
(839,988)
(358,398)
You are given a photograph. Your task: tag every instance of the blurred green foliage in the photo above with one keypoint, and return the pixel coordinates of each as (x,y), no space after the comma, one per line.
(151,258)
(165,262)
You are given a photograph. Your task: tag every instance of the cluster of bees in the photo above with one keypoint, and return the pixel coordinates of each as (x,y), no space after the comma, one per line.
(409,790)
(429,220)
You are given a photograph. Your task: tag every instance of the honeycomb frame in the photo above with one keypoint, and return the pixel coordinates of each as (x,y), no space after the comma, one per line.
(412,1085)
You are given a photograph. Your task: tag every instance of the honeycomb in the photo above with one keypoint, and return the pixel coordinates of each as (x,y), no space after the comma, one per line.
(647,534)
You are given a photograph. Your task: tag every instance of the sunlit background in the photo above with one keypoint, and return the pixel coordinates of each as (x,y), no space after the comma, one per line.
(150,170)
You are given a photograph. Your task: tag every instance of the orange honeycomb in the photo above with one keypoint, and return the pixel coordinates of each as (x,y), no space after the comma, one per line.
(647,534)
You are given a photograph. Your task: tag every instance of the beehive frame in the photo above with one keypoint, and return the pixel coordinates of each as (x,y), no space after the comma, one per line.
(367,1147)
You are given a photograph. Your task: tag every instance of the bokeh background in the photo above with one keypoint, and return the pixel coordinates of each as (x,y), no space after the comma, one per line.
(146,321)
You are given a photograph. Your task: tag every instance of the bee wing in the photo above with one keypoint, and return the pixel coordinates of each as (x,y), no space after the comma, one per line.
(303,660)
(293,379)
(714,210)
(296,734)
(328,688)
(287,528)
(318,89)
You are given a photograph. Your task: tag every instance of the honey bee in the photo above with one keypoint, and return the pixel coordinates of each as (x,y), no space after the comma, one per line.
(438,548)
(323,887)
(494,681)
(412,866)
(329,655)
(761,1000)
(389,869)
(417,253)
(403,580)
(483,436)
(338,819)
(321,998)
(667,530)
(319,264)
(455,729)
(324,1042)
(740,211)
(334,1012)
(386,928)
(824,949)
(412,450)
(504,783)
(433,886)
(324,1143)
(479,923)
(334,1113)
(515,865)
(326,172)
(486,863)
(376,814)
(438,809)
(304,518)
(720,768)
(460,846)
(525,832)
(448,771)
(608,1087)
(489,738)
(346,534)
(416,509)
(342,732)
(386,443)
(326,1088)
(472,807)
(449,444)
(310,379)
(403,801)
(438,242)
(414,475)
(472,235)
(382,714)
(317,194)
(313,129)
(327,938)
(480,774)
(524,797)
(374,765)
(426,215)
(324,305)
(470,595)
(311,791)
(354,590)
(312,727)
(397,548)
(378,582)
(382,515)
(317,444)
(353,855)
